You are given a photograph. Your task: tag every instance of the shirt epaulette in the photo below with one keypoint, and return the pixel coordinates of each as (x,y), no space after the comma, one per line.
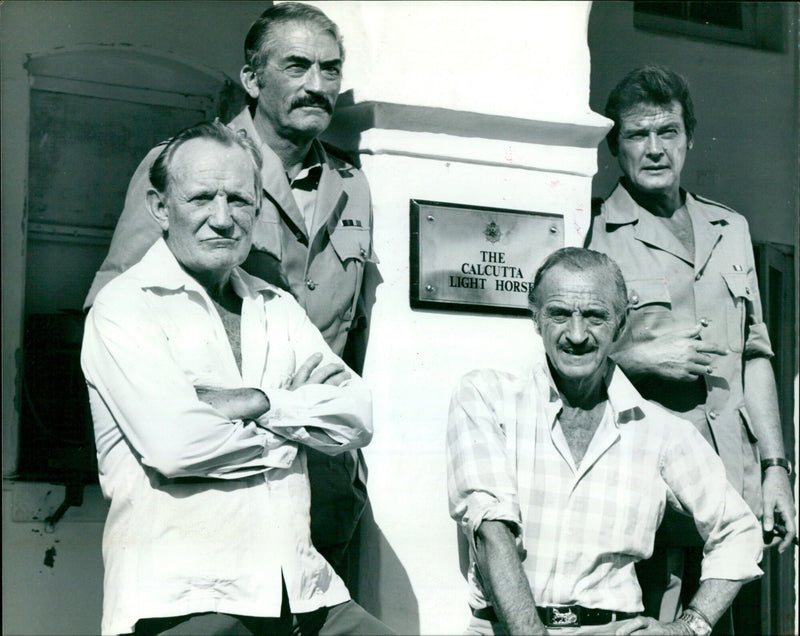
(715,203)
(349,158)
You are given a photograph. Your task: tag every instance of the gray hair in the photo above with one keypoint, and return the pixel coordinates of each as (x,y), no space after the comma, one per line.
(261,36)
(581,259)
(160,171)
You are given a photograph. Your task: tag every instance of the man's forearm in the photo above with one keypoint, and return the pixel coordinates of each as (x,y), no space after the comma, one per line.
(714,597)
(630,360)
(235,404)
(761,399)
(501,569)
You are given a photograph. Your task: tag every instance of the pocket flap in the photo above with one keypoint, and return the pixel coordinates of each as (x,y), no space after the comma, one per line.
(267,237)
(648,291)
(351,242)
(738,284)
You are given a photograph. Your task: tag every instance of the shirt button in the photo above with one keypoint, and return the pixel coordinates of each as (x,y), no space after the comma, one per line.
(363,253)
(713,415)
(311,284)
(634,298)
(705,322)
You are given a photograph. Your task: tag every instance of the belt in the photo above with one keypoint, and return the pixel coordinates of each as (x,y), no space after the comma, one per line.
(565,615)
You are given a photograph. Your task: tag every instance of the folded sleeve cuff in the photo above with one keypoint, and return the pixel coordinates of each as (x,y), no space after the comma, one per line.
(484,507)
(731,566)
(758,345)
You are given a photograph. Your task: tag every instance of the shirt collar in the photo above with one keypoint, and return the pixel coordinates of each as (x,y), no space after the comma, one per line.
(621,208)
(711,213)
(243,123)
(623,398)
(159,269)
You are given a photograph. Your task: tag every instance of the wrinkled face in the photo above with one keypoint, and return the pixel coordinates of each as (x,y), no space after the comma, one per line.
(577,321)
(652,147)
(210,206)
(297,87)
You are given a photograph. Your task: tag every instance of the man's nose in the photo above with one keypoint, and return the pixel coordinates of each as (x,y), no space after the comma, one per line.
(314,82)
(220,216)
(654,146)
(576,330)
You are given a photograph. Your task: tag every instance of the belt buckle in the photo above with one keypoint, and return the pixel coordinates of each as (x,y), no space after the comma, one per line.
(564,616)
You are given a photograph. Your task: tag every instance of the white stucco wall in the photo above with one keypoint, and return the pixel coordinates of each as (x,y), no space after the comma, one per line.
(413,362)
(527,61)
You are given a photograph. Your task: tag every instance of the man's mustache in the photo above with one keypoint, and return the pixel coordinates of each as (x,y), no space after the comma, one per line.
(577,350)
(313,100)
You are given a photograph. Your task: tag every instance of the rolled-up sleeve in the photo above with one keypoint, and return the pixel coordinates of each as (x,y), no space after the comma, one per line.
(331,419)
(756,336)
(697,483)
(480,483)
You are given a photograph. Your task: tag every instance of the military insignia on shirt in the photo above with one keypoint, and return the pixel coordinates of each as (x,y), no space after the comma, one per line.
(351,223)
(492,232)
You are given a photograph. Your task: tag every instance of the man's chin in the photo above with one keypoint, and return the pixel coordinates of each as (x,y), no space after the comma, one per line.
(576,366)
(656,183)
(311,121)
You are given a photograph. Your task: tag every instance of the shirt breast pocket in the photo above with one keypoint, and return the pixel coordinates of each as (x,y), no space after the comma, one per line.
(741,292)
(352,247)
(650,308)
(267,235)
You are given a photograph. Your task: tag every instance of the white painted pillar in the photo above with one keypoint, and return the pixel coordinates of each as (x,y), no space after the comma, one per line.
(474,103)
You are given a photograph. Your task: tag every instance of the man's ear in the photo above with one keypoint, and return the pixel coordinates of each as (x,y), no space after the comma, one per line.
(157,206)
(248,76)
(612,140)
(535,318)
(623,323)
(690,144)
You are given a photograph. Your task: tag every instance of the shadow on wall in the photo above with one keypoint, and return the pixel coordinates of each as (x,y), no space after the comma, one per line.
(380,566)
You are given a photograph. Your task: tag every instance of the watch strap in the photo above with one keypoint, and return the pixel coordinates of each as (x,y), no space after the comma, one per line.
(696,622)
(776,461)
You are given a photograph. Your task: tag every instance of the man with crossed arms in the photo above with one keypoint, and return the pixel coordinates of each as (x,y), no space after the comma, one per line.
(559,477)
(203,414)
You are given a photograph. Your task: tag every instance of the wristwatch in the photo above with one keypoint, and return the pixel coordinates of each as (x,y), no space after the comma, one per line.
(777,461)
(695,622)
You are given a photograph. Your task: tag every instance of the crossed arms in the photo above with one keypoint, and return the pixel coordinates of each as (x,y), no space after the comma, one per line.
(150,376)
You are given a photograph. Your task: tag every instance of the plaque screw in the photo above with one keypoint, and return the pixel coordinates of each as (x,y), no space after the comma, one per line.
(430,218)
(430,288)
(553,229)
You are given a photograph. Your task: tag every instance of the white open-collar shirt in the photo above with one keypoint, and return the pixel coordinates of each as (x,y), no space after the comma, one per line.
(208,514)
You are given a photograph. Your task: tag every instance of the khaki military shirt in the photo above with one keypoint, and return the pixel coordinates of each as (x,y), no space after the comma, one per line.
(716,287)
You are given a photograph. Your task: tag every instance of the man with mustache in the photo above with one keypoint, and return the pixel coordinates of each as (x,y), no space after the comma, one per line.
(559,477)
(697,343)
(314,234)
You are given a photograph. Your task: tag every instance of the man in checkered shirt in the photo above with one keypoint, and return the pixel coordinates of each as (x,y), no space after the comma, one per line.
(559,477)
